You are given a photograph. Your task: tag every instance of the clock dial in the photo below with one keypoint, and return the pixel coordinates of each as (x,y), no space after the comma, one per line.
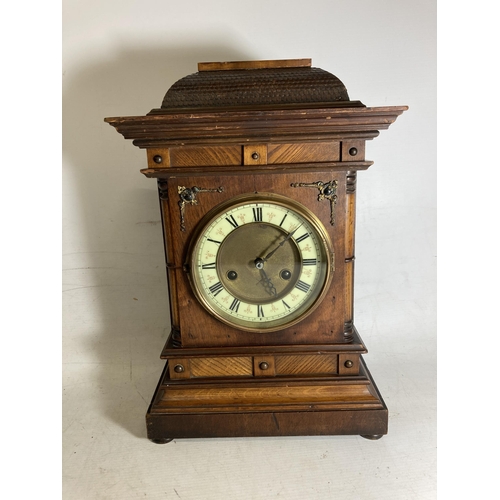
(260,262)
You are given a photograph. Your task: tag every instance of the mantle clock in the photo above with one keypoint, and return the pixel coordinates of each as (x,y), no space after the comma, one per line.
(256,165)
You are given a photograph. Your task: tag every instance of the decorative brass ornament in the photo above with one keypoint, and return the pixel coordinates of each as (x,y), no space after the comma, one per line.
(260,263)
(327,191)
(188,196)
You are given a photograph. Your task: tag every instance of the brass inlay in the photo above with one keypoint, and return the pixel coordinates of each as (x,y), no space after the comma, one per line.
(188,196)
(327,191)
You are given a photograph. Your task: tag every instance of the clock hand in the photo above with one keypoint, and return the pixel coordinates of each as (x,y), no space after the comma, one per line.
(259,264)
(289,235)
(268,284)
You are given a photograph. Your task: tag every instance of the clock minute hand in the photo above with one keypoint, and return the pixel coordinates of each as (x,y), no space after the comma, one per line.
(289,235)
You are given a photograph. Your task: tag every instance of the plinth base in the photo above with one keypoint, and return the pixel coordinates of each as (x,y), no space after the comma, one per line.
(270,407)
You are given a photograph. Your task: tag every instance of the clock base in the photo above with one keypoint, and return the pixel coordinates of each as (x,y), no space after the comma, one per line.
(267,407)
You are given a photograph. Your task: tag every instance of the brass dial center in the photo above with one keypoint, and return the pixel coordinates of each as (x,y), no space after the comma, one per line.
(258,281)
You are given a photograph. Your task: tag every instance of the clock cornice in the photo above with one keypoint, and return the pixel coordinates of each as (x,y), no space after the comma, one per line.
(174,128)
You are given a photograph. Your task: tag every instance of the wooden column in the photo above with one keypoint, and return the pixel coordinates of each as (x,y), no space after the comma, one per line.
(349,254)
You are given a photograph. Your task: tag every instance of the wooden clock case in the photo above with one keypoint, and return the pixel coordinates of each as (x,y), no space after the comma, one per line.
(279,127)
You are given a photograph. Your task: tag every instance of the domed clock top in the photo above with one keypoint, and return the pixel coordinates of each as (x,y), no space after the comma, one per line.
(272,84)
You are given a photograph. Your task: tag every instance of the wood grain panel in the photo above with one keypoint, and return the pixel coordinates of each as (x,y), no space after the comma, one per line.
(306,364)
(303,153)
(205,156)
(212,398)
(221,367)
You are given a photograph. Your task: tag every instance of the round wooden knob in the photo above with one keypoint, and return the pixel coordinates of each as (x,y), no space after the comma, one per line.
(264,365)
(348,364)
(178,368)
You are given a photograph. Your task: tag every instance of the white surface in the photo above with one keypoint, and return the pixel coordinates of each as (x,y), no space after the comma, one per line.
(120,57)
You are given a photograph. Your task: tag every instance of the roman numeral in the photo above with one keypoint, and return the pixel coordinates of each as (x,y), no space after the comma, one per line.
(232,221)
(302,238)
(217,288)
(257,214)
(304,287)
(235,305)
(214,241)
(309,262)
(208,266)
(260,311)
(283,220)
(285,304)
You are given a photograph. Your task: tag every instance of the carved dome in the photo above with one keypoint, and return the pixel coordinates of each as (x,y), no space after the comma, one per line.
(268,86)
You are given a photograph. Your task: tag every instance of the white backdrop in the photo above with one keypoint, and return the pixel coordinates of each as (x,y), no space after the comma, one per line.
(119,58)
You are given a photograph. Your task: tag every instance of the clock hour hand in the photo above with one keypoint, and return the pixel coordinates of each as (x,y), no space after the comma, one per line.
(288,236)
(268,284)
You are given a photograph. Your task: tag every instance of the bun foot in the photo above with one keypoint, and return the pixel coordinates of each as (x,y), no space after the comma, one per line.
(161,440)
(372,437)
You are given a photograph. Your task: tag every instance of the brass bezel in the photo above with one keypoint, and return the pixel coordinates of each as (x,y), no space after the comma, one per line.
(304,212)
